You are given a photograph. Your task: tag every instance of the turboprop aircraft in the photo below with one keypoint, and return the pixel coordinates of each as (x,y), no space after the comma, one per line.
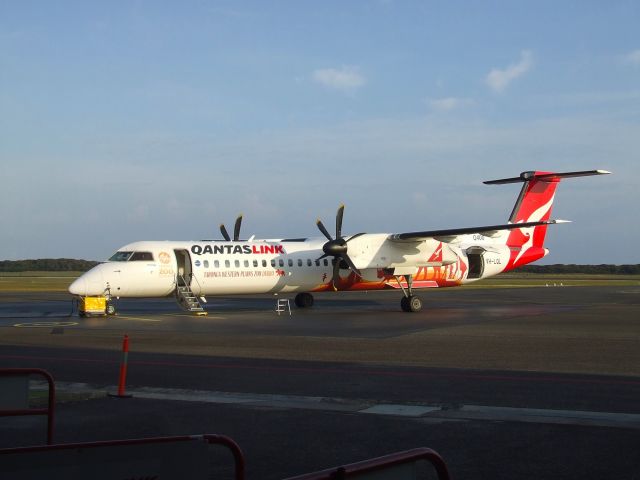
(192,270)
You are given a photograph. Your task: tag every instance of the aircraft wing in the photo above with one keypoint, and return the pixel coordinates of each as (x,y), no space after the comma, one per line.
(449,235)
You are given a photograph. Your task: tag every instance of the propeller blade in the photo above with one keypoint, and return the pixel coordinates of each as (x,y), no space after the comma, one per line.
(323,230)
(355,236)
(339,215)
(320,258)
(348,261)
(224,232)
(236,228)
(336,273)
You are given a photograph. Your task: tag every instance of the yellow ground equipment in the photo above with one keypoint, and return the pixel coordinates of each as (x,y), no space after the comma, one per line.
(90,306)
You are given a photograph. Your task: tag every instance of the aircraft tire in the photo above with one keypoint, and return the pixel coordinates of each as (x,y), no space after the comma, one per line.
(404,303)
(415,304)
(411,304)
(304,300)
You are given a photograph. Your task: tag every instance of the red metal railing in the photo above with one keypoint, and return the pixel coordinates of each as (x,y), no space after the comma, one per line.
(381,463)
(238,456)
(49,411)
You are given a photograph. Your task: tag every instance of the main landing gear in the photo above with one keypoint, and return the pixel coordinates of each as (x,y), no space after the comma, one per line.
(304,300)
(409,302)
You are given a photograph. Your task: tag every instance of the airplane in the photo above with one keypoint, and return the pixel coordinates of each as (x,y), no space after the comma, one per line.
(192,270)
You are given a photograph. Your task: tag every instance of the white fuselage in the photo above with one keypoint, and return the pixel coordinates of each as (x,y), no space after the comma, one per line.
(154,268)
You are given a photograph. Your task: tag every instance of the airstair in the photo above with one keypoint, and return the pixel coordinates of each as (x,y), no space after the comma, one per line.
(187,300)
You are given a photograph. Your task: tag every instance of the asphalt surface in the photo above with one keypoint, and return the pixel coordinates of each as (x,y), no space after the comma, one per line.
(504,383)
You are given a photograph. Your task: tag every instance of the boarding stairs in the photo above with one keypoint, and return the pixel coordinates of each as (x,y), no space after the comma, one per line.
(186,298)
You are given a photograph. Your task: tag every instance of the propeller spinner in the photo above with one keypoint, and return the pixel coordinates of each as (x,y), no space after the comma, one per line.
(337,247)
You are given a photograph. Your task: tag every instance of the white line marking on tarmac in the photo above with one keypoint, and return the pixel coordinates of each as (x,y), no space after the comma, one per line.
(400,410)
(426,412)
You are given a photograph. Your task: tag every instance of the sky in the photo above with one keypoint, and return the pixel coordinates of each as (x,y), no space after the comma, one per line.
(149,120)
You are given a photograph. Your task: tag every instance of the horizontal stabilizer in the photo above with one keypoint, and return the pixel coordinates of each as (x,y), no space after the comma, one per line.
(450,234)
(550,177)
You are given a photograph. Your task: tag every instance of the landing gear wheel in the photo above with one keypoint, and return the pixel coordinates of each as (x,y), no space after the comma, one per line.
(411,304)
(304,300)
(415,304)
(111,309)
(404,303)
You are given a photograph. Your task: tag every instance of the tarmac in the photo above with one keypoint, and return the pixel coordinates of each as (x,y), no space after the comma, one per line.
(503,383)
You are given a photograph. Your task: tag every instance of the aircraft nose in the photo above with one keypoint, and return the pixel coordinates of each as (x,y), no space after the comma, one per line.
(79,286)
(88,284)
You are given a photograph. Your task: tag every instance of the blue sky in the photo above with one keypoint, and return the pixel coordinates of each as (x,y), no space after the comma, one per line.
(125,121)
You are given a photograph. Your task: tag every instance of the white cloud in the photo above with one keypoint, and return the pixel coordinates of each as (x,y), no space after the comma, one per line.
(345,78)
(632,58)
(447,104)
(498,79)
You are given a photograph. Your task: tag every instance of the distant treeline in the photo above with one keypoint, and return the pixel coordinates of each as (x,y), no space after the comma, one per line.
(572,268)
(68,264)
(46,265)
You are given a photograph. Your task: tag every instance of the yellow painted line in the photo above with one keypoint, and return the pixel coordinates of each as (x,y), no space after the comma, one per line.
(45,324)
(139,319)
(185,315)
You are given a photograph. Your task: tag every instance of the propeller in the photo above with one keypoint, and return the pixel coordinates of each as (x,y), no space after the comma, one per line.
(337,247)
(236,230)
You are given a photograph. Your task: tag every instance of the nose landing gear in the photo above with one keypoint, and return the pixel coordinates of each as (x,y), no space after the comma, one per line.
(110,309)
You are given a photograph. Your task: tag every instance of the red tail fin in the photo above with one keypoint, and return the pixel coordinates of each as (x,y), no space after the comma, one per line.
(534,204)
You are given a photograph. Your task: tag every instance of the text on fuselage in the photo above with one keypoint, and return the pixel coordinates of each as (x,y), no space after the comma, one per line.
(237,249)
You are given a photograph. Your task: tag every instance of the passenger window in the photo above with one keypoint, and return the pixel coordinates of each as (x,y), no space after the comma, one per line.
(206,264)
(326,262)
(216,263)
(299,262)
(317,263)
(227,264)
(237,263)
(290,262)
(281,262)
(273,263)
(255,263)
(264,263)
(246,264)
(309,262)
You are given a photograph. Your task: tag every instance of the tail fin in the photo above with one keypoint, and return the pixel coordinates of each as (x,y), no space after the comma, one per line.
(534,204)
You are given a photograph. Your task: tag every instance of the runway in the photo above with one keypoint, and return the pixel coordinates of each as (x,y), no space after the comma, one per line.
(482,376)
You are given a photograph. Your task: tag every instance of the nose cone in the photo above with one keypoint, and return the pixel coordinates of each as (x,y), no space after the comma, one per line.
(89,284)
(79,286)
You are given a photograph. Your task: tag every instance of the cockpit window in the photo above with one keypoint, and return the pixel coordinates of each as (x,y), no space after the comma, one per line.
(137,256)
(120,256)
(131,257)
